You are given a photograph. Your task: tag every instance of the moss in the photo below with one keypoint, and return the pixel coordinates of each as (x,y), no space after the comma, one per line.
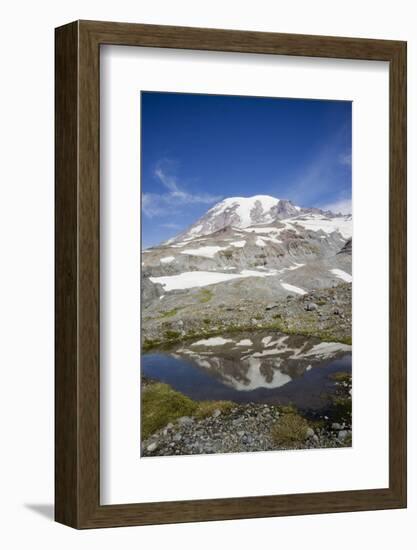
(161,405)
(207,408)
(149,343)
(278,324)
(205,296)
(172,334)
(289,431)
(170,312)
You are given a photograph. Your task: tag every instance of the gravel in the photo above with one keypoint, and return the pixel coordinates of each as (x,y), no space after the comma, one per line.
(244,428)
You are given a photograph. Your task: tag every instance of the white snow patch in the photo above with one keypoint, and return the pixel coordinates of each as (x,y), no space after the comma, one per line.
(204,251)
(263,230)
(266,340)
(292,288)
(244,205)
(295,266)
(342,275)
(252,273)
(267,352)
(196,229)
(309,367)
(272,232)
(245,342)
(195,279)
(203,363)
(272,240)
(215,341)
(238,244)
(167,260)
(260,242)
(326,349)
(315,222)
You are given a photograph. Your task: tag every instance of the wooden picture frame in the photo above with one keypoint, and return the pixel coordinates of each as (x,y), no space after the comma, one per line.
(77,405)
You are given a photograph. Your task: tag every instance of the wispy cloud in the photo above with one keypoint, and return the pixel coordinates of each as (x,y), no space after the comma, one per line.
(176,196)
(171,225)
(311,186)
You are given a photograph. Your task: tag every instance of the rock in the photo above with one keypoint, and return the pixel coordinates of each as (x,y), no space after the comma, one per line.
(336,311)
(311,306)
(177,437)
(271,306)
(216,413)
(336,426)
(315,438)
(152,447)
(169,426)
(309,433)
(342,435)
(185,420)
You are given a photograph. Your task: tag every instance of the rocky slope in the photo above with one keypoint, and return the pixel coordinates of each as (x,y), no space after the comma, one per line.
(243,256)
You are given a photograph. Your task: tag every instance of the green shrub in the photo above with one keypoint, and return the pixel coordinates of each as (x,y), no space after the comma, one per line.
(170,312)
(205,296)
(289,431)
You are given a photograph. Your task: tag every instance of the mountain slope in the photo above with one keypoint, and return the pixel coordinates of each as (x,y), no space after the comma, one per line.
(246,273)
(242,212)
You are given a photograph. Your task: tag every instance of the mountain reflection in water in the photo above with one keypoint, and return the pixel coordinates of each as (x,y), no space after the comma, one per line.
(260,367)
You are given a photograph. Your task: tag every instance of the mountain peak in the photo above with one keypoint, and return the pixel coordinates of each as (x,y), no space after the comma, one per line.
(241,212)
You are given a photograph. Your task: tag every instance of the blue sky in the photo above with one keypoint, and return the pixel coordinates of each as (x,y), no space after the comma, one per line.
(198,149)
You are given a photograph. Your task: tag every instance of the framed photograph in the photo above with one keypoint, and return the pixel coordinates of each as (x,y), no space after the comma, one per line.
(230,274)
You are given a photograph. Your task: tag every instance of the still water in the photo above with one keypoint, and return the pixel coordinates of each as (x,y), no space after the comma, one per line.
(261,367)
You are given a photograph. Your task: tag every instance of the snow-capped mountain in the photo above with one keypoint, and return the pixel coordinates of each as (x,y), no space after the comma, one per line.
(243,212)
(270,242)
(250,259)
